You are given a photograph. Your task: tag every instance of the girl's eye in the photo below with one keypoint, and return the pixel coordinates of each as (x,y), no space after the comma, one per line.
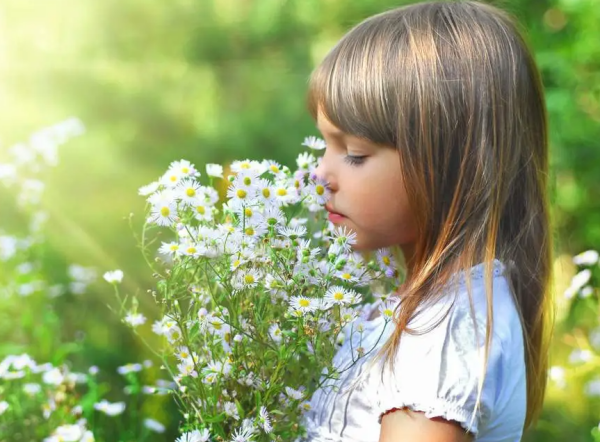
(355,160)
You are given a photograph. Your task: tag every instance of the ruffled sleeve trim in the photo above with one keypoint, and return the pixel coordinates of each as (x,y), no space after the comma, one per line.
(440,408)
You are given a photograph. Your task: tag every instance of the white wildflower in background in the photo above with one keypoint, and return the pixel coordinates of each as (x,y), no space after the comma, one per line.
(154,425)
(129,368)
(110,409)
(314,143)
(67,433)
(53,377)
(3,407)
(579,356)
(31,389)
(135,319)
(578,281)
(114,276)
(588,258)
(264,420)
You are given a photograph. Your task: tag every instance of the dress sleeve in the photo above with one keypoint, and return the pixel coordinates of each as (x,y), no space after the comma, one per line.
(438,372)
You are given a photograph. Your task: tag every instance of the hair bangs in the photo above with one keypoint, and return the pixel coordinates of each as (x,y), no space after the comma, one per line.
(352,86)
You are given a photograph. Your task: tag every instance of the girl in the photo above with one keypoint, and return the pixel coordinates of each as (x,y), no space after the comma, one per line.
(435,125)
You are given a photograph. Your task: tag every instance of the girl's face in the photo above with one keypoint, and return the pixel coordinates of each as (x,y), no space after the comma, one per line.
(367,190)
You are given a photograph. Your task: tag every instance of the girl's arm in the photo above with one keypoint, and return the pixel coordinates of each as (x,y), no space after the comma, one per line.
(407,425)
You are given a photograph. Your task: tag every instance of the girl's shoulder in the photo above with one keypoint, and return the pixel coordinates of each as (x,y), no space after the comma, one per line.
(438,366)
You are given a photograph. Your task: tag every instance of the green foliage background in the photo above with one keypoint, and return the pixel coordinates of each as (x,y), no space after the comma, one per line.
(216,80)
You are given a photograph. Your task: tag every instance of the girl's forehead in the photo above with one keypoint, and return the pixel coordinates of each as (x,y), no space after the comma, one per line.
(327,127)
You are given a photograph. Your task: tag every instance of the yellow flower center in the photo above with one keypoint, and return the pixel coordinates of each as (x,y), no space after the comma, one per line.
(236,263)
(249,279)
(201,210)
(297,184)
(174,247)
(241,193)
(173,178)
(274,168)
(347,276)
(320,190)
(388,312)
(248,211)
(266,192)
(247,181)
(165,211)
(191,250)
(190,191)
(217,325)
(338,296)
(245,165)
(249,231)
(386,260)
(281,192)
(304,303)
(185,170)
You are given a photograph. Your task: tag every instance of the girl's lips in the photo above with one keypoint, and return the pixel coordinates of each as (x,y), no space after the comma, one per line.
(335,217)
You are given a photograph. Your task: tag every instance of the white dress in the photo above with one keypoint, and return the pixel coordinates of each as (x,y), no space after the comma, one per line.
(437,373)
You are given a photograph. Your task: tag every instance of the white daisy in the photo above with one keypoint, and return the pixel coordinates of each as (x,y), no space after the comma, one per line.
(247,179)
(385,259)
(214,170)
(275,333)
(149,189)
(242,435)
(303,304)
(314,143)
(169,248)
(265,192)
(273,216)
(273,167)
(240,195)
(297,395)
(239,166)
(338,295)
(189,192)
(231,410)
(264,420)
(195,436)
(292,233)
(203,212)
(184,168)
(319,191)
(163,214)
(386,309)
(285,194)
(343,238)
(306,161)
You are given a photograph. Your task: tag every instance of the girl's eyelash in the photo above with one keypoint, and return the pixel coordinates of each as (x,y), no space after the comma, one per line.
(355,160)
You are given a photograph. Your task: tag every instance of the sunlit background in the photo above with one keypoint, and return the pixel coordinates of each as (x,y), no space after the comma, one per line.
(212,81)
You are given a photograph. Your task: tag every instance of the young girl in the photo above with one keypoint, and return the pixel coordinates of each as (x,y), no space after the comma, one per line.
(435,125)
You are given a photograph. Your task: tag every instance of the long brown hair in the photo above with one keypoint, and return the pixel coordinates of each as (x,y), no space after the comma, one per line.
(454,87)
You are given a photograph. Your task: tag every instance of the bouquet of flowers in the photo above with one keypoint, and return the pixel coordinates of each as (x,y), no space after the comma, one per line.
(257,292)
